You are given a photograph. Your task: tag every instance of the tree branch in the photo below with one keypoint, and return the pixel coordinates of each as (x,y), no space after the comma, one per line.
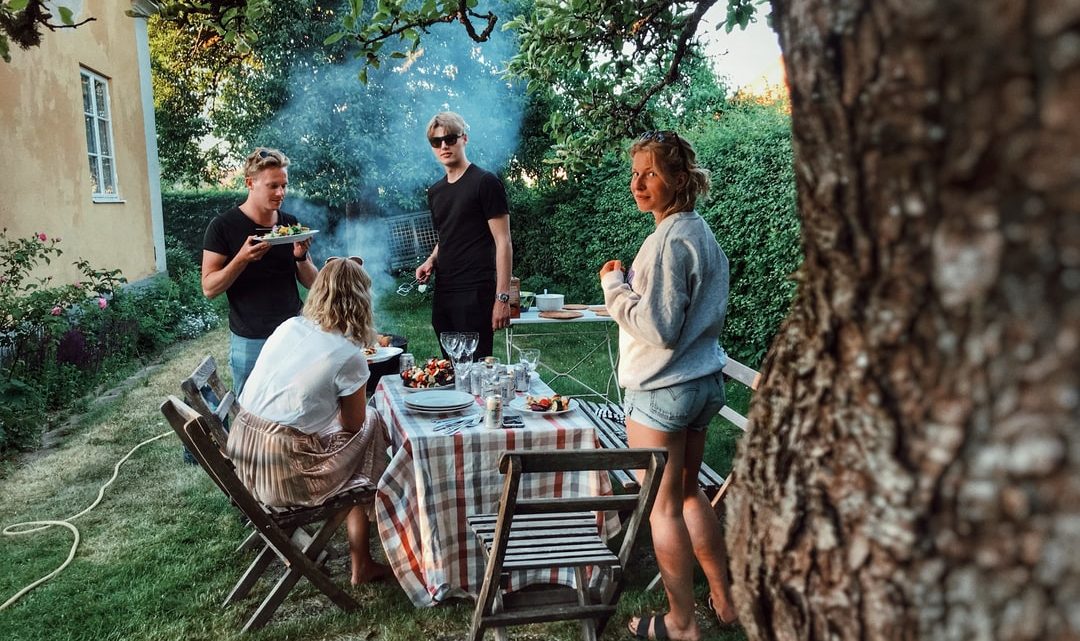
(688,31)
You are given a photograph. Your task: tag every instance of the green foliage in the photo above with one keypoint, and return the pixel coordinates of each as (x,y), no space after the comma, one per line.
(186,214)
(564,233)
(58,342)
(752,210)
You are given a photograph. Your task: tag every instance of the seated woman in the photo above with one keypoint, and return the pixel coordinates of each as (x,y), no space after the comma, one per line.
(304,433)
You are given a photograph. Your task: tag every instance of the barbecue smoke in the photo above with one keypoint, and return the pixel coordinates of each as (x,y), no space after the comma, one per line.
(363,148)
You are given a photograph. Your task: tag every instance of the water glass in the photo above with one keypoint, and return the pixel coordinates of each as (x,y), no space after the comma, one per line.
(530,356)
(463,378)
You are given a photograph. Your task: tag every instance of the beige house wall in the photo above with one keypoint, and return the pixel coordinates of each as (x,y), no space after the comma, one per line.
(45,184)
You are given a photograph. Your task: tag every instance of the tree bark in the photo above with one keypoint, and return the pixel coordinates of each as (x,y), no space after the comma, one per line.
(912,468)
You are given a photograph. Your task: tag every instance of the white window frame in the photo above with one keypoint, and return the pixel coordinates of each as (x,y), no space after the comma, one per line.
(102,158)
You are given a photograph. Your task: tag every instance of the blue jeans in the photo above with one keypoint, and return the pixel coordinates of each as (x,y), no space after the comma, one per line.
(243,352)
(690,405)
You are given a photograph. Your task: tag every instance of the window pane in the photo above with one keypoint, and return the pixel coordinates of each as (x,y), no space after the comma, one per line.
(91,145)
(103,138)
(94,175)
(102,103)
(87,100)
(107,176)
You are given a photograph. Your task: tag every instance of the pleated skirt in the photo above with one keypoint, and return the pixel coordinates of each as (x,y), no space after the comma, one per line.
(285,467)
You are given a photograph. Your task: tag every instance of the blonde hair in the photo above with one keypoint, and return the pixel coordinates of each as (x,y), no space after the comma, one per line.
(264,158)
(340,301)
(451,123)
(673,155)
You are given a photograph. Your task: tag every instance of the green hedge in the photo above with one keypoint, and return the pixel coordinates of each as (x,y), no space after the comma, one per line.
(187,213)
(563,235)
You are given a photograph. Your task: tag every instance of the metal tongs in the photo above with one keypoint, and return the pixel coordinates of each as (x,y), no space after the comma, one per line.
(404,288)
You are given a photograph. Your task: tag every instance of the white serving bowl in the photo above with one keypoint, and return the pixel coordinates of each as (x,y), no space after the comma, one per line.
(549,302)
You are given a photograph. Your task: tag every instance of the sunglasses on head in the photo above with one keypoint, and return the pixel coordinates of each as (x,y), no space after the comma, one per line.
(449,139)
(355,259)
(659,136)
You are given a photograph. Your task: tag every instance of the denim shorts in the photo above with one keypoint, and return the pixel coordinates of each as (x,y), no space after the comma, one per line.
(690,405)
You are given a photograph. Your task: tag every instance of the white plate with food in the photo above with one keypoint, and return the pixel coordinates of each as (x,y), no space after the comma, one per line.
(439,400)
(274,239)
(381,354)
(542,405)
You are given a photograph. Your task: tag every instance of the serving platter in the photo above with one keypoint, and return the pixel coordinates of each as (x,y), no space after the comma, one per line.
(292,238)
(560,315)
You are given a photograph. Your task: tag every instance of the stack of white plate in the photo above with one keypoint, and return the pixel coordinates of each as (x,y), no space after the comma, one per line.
(439,401)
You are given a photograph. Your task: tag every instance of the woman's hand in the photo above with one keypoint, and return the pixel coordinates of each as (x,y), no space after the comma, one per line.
(609,267)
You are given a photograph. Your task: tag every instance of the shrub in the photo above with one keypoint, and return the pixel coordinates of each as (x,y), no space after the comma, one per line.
(57,343)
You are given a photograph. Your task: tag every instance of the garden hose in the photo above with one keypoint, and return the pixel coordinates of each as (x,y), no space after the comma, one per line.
(15,529)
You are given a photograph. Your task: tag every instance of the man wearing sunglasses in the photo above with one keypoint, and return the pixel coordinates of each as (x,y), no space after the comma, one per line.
(473,257)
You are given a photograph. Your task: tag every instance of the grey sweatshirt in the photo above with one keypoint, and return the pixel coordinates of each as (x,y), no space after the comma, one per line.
(671,306)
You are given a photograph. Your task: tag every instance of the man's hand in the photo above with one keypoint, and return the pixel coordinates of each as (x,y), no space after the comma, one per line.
(609,267)
(500,315)
(253,250)
(300,249)
(423,272)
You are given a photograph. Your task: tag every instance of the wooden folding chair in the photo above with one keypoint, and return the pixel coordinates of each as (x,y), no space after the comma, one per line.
(281,530)
(532,534)
(204,387)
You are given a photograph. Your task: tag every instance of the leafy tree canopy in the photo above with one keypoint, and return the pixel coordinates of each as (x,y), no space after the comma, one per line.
(603,62)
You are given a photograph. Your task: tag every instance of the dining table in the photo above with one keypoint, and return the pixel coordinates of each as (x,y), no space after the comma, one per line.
(439,476)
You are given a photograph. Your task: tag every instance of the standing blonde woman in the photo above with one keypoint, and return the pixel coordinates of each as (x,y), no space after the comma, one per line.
(670,309)
(304,432)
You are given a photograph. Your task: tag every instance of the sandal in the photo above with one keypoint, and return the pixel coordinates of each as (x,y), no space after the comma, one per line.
(719,619)
(642,631)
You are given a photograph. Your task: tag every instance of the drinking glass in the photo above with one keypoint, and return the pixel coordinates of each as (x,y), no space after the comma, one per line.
(530,356)
(451,343)
(468,343)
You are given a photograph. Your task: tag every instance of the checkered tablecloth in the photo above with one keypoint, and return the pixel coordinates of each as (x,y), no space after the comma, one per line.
(435,481)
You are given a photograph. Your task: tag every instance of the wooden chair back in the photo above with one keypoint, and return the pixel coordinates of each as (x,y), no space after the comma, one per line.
(204,391)
(560,532)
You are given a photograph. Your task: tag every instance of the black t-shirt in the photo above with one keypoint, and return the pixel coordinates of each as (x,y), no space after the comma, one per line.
(460,212)
(265,293)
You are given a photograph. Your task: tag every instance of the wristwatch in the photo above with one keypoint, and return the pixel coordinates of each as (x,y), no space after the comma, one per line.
(503,297)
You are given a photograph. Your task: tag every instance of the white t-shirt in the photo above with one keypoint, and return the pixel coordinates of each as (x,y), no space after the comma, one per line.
(300,374)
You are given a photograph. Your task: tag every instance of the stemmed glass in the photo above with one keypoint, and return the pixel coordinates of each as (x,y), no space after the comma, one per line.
(452,343)
(468,343)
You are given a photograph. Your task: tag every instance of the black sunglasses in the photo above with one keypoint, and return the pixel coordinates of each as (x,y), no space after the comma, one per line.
(449,139)
(355,259)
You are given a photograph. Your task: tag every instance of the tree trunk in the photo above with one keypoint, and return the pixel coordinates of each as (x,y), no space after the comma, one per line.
(912,469)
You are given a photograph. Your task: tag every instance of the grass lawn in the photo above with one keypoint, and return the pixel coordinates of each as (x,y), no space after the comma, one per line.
(157,555)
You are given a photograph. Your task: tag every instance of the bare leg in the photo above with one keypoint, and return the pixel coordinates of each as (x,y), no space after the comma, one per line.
(364,567)
(671,537)
(705,531)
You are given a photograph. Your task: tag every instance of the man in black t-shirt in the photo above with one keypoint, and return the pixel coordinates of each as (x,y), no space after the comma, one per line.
(258,279)
(473,256)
